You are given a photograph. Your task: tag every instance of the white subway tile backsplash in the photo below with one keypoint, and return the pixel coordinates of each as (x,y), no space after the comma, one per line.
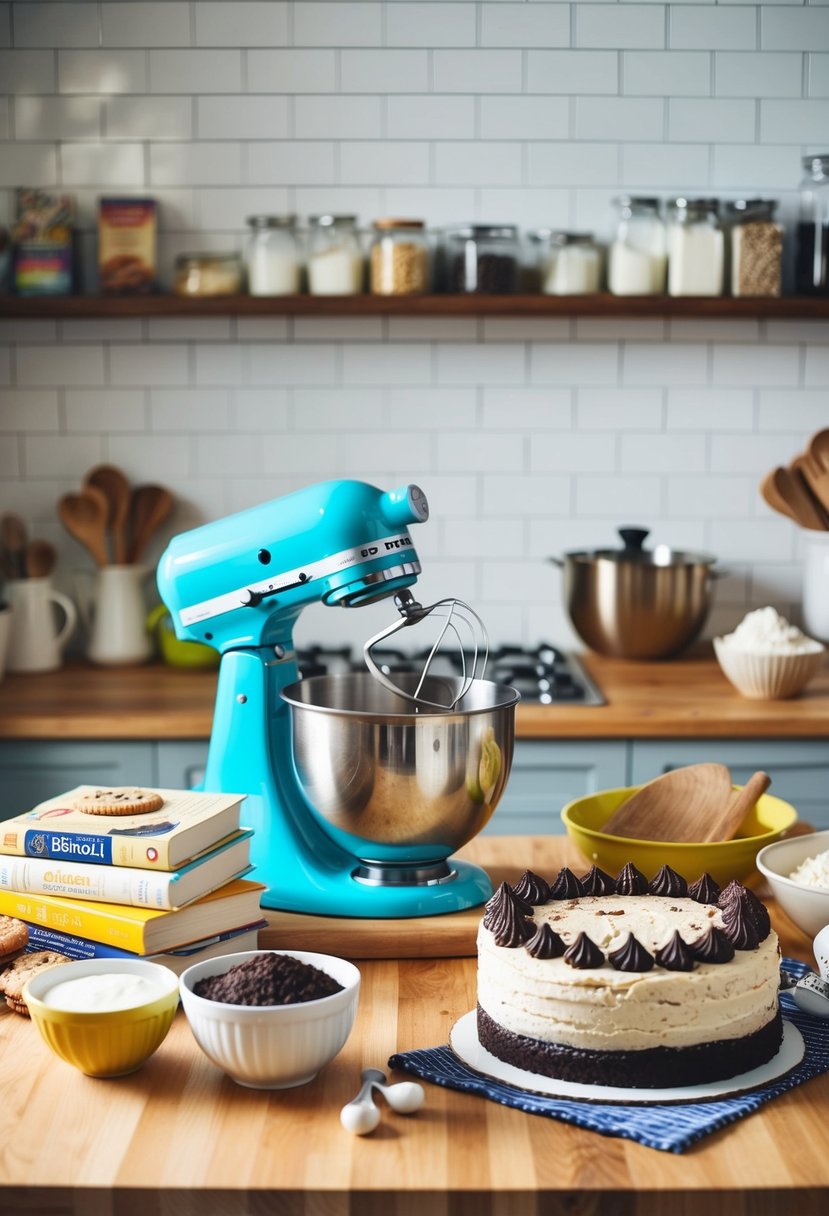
(384,71)
(478,71)
(146,23)
(379,162)
(595,119)
(334,117)
(430,24)
(724,28)
(97,71)
(794,29)
(758,74)
(487,163)
(241,23)
(572,71)
(291,72)
(634,26)
(693,120)
(97,411)
(327,24)
(196,71)
(151,118)
(530,436)
(524,117)
(666,73)
(538,24)
(52,25)
(57,118)
(34,164)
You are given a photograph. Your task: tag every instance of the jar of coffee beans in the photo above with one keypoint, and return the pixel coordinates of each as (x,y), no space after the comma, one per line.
(481,258)
(399,263)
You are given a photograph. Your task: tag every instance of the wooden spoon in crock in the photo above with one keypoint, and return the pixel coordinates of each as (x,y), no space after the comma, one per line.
(85,517)
(115,486)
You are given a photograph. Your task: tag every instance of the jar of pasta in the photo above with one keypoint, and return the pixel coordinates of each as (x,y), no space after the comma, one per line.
(399,264)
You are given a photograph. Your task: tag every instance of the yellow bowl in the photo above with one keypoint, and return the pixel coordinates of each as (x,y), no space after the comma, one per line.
(722,859)
(111,1043)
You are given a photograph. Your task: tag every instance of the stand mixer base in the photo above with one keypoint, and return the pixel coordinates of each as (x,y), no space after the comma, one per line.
(375,874)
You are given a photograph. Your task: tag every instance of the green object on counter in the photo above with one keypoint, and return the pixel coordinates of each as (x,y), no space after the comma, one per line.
(173,651)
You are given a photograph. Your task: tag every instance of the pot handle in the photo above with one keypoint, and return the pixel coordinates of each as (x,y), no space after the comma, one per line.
(633,538)
(557,561)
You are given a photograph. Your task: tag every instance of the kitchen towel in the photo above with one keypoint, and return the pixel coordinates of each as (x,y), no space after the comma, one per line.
(671,1128)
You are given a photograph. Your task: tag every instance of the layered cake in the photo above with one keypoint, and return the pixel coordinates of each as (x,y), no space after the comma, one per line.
(626,982)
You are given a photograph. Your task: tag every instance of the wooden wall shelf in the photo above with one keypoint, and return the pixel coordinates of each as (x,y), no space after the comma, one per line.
(76,307)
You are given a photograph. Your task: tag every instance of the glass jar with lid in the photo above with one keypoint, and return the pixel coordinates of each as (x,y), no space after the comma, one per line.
(207,274)
(481,258)
(274,256)
(335,257)
(399,263)
(812,243)
(568,263)
(754,247)
(638,253)
(696,247)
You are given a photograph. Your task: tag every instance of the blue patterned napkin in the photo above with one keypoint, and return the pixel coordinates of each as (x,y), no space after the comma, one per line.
(672,1128)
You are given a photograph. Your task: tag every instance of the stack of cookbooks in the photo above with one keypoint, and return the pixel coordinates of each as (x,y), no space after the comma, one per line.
(167,884)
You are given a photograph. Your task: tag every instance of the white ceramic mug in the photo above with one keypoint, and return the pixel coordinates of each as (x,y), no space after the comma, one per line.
(36,641)
(115,614)
(816,584)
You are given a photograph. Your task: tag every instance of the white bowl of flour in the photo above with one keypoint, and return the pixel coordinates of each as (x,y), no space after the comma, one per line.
(766,658)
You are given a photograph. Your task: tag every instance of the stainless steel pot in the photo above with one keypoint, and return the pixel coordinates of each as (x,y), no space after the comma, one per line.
(394,783)
(637,603)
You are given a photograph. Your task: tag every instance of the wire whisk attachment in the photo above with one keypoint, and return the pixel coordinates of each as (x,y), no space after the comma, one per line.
(460,623)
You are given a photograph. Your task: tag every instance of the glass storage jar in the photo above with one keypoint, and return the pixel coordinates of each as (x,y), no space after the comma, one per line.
(399,263)
(696,247)
(207,274)
(812,244)
(274,257)
(638,252)
(335,258)
(754,247)
(481,258)
(568,263)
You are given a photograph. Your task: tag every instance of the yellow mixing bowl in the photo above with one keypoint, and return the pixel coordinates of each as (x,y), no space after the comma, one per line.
(108,1044)
(722,859)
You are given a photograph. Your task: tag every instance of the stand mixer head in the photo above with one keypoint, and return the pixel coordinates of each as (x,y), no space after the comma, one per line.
(358,790)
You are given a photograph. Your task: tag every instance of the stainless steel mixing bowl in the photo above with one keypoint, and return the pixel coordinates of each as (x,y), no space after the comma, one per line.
(391,782)
(637,603)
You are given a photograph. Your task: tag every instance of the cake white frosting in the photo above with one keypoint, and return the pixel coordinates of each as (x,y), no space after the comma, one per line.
(604,1009)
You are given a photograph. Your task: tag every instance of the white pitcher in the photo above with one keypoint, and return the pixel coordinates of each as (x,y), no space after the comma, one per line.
(115,615)
(36,641)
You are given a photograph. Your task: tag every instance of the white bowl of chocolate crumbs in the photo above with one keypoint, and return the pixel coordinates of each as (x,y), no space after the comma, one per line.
(271,1019)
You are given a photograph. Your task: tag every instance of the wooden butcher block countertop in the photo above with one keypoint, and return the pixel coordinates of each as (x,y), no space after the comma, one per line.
(684,698)
(180,1138)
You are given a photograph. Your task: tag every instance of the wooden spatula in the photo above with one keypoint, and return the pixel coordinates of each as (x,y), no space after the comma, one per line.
(682,805)
(742,801)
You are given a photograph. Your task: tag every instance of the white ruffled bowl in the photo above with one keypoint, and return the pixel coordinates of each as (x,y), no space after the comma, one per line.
(768,677)
(272,1046)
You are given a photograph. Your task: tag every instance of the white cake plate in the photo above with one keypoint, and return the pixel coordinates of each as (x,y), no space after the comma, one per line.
(463,1039)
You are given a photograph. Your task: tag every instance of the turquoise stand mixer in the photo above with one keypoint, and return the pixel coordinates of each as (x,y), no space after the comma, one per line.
(359,788)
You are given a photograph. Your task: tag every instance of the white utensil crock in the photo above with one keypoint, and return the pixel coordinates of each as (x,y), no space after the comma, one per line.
(816,584)
(5,630)
(36,641)
(115,614)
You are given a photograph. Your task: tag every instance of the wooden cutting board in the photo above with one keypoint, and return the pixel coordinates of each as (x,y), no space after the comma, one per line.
(451,935)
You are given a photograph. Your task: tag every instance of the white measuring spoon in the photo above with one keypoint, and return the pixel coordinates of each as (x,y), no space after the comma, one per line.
(361,1115)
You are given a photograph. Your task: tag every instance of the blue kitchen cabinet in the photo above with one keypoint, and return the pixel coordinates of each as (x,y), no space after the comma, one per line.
(546,775)
(181,764)
(799,769)
(32,771)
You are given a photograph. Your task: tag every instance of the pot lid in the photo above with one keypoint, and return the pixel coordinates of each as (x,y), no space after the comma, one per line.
(634,551)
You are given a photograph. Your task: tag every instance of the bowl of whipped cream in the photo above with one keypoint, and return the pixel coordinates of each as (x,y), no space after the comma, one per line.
(766,658)
(797,870)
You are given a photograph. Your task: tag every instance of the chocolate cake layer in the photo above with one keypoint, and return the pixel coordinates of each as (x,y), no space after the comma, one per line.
(649,1068)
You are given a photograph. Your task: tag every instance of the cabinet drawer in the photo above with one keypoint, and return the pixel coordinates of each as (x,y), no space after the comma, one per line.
(34,771)
(546,776)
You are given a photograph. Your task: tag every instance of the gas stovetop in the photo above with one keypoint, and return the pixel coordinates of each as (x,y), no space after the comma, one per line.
(544,675)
